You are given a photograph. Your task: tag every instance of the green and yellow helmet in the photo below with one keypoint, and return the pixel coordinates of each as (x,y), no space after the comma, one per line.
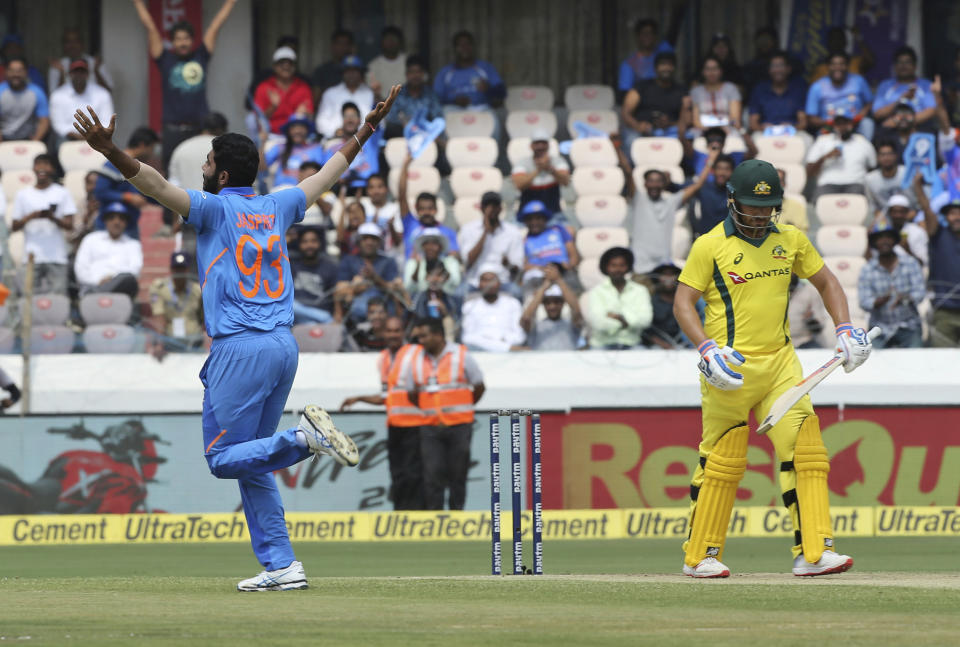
(754,183)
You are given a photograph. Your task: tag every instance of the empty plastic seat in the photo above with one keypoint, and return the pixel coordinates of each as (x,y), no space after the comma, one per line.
(842,240)
(47,340)
(789,149)
(75,182)
(470,123)
(590,276)
(796,175)
(49,309)
(675,174)
(106,308)
(601,210)
(656,151)
(605,120)
(588,97)
(529,97)
(7,339)
(109,338)
(466,210)
(472,151)
(472,181)
(594,241)
(518,149)
(18,155)
(846,268)
(842,209)
(14,180)
(524,123)
(597,181)
(78,156)
(319,338)
(395,151)
(419,179)
(681,242)
(593,151)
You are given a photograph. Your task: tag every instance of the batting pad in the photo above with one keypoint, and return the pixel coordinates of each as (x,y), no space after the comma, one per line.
(722,472)
(813,497)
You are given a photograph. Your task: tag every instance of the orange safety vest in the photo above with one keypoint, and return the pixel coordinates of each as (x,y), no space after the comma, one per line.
(444,391)
(401,412)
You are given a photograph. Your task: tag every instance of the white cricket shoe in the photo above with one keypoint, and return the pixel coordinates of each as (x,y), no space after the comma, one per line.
(708,567)
(283,579)
(830,562)
(323,437)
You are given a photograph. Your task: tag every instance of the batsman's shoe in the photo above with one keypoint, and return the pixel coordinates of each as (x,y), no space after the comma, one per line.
(323,437)
(283,579)
(830,562)
(708,567)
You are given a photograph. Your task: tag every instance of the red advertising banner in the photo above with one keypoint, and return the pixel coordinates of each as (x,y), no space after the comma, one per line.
(634,458)
(165,14)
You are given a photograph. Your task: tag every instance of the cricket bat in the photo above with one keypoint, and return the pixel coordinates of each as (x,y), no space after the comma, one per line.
(793,395)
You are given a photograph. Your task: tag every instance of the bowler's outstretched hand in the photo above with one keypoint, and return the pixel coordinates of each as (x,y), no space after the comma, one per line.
(98,136)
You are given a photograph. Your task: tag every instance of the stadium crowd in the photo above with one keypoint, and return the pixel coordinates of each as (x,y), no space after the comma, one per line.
(515,240)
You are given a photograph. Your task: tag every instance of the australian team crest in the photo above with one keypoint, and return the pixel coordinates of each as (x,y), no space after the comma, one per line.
(761,188)
(779,253)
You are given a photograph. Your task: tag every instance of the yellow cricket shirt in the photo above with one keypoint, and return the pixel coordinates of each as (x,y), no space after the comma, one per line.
(746,283)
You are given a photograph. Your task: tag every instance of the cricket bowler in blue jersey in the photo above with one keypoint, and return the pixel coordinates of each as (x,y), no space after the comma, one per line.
(248,307)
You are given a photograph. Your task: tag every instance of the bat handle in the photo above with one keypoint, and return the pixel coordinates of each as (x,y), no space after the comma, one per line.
(874,332)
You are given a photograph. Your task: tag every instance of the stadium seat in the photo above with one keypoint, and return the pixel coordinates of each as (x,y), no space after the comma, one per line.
(590,275)
(796,177)
(319,338)
(106,308)
(472,151)
(48,309)
(731,145)
(469,181)
(8,339)
(842,209)
(529,97)
(13,181)
(523,123)
(789,149)
(680,217)
(842,240)
(846,268)
(597,181)
(601,210)
(593,151)
(518,149)
(419,179)
(588,97)
(18,155)
(466,210)
(75,182)
(470,123)
(78,156)
(594,241)
(109,338)
(395,152)
(681,242)
(47,340)
(675,173)
(654,151)
(605,120)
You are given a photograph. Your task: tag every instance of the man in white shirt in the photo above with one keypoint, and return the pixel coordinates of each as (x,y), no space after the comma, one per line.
(190,154)
(44,212)
(899,216)
(540,176)
(390,68)
(73,48)
(65,100)
(492,322)
(109,260)
(351,90)
(490,242)
(840,160)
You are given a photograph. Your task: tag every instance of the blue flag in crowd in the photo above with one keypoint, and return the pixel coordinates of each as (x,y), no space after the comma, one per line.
(582,131)
(920,157)
(420,131)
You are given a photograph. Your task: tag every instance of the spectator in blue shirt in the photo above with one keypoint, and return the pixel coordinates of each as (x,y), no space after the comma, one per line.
(944,278)
(112,187)
(426,208)
(546,245)
(711,207)
(780,100)
(840,90)
(639,66)
(416,95)
(24,113)
(468,83)
(890,287)
(904,87)
(292,153)
(368,274)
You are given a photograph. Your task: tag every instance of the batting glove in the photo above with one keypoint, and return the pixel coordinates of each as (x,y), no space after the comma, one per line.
(854,345)
(715,365)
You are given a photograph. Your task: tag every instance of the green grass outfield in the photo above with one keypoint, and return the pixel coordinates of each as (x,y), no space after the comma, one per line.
(902,591)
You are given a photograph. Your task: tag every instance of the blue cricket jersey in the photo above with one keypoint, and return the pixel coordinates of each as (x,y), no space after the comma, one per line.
(242,257)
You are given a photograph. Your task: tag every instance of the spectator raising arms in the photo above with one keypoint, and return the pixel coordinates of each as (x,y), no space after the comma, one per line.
(944,270)
(554,332)
(426,208)
(284,95)
(468,82)
(540,177)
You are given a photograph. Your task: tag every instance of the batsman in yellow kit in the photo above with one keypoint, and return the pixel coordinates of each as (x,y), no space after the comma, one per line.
(742,270)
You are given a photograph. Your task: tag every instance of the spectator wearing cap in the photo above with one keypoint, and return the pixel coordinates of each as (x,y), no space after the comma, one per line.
(715,139)
(540,176)
(490,241)
(492,322)
(944,277)
(840,93)
(328,74)
(351,90)
(553,332)
(176,307)
(12,48)
(432,251)
(793,210)
(390,67)
(654,107)
(314,280)
(780,99)
(905,87)
(840,160)
(664,331)
(890,287)
(368,273)
(898,217)
(113,187)
(640,66)
(191,153)
(73,48)
(78,92)
(416,95)
(284,95)
(109,260)
(289,155)
(617,310)
(886,180)
(710,208)
(546,245)
(806,314)
(44,212)
(24,111)
(468,83)
(426,208)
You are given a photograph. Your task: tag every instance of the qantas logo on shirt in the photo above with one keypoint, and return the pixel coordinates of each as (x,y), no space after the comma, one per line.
(736,278)
(762,274)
